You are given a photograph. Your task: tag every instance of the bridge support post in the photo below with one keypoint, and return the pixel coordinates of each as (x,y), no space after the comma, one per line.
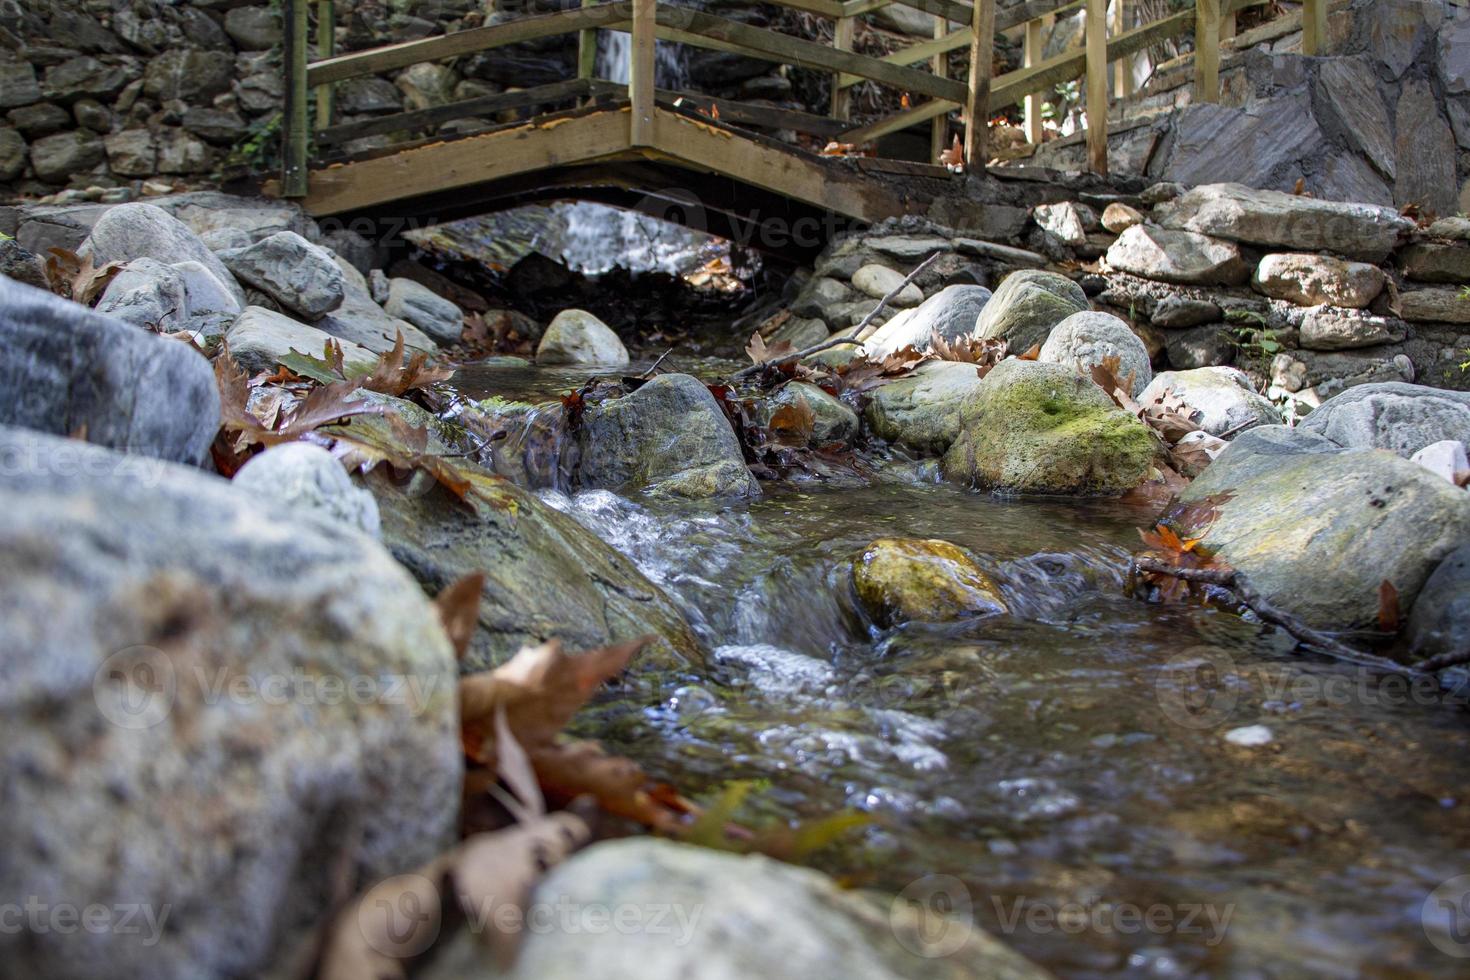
(939,129)
(1207,51)
(1314,27)
(1097,85)
(1031,54)
(977,101)
(1123,67)
(326,47)
(295,122)
(587,52)
(844,29)
(640,71)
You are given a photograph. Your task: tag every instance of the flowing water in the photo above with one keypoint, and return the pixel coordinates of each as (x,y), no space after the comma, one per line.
(1069,774)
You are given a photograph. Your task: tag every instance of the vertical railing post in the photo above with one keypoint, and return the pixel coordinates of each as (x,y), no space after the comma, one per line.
(1314,27)
(1207,51)
(939,64)
(1031,55)
(587,51)
(295,138)
(1123,67)
(977,100)
(640,71)
(326,47)
(1097,85)
(844,30)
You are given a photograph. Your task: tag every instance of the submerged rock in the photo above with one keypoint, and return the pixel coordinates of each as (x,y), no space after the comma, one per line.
(1222,397)
(578,337)
(225,687)
(902,580)
(1316,529)
(1402,418)
(1084,340)
(307,478)
(1040,428)
(952,313)
(1026,306)
(668,437)
(546,576)
(69,371)
(741,916)
(922,411)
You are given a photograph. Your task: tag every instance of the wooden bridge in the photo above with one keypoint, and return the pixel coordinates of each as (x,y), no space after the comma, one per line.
(590,138)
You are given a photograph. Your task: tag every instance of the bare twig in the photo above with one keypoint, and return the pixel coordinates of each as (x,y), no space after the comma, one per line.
(838,341)
(654,366)
(1257,603)
(1443,660)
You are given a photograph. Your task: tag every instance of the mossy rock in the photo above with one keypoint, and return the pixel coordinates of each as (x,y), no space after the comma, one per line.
(1027,305)
(902,580)
(1034,428)
(833,422)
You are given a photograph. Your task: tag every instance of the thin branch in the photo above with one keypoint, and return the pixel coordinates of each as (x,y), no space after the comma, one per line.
(851,335)
(1443,660)
(654,367)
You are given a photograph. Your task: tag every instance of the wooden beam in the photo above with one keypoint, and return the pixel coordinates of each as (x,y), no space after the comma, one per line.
(295,122)
(1031,56)
(587,50)
(471,41)
(842,36)
(977,95)
(1123,67)
(640,72)
(951,10)
(1011,87)
(326,47)
(738,113)
(483,105)
(1314,27)
(897,122)
(1097,86)
(939,65)
(915,53)
(1207,51)
(771,46)
(1025,13)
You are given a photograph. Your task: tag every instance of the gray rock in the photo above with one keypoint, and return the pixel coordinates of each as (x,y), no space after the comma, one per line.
(13,154)
(426,85)
(226,687)
(1426,152)
(1445,459)
(253,28)
(669,437)
(1183,257)
(1266,143)
(425,309)
(18,85)
(1222,397)
(256,217)
(1401,418)
(1119,217)
(56,159)
(368,96)
(67,370)
(22,265)
(1176,312)
(1433,262)
(180,152)
(93,115)
(1034,428)
(1026,306)
(756,917)
(1349,101)
(1316,532)
(363,322)
(820,296)
(922,411)
(302,277)
(188,74)
(1439,623)
(1434,306)
(307,479)
(1395,31)
(1278,220)
(131,231)
(38,120)
(148,295)
(878,281)
(1454,56)
(801,333)
(952,313)
(909,248)
(1325,374)
(1328,328)
(259,338)
(223,127)
(833,422)
(204,291)
(578,337)
(132,153)
(1068,221)
(81,77)
(1084,340)
(1314,280)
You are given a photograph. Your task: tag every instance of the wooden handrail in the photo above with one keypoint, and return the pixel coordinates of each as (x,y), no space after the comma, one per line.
(483,105)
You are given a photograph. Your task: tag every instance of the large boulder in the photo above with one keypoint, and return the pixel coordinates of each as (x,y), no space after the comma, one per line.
(1278,220)
(951,313)
(546,576)
(147,294)
(259,338)
(1222,397)
(1439,623)
(1084,340)
(578,337)
(1315,280)
(901,580)
(1317,529)
(309,479)
(922,411)
(1041,429)
(747,916)
(1026,306)
(1401,418)
(1183,257)
(201,694)
(300,276)
(131,231)
(67,370)
(364,322)
(425,309)
(668,437)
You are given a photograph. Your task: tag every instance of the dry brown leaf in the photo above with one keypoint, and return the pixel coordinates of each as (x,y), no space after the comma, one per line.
(1390,619)
(792,423)
(762,353)
(459,610)
(391,376)
(954,157)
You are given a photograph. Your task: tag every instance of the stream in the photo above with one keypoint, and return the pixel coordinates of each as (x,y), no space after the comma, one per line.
(1078,775)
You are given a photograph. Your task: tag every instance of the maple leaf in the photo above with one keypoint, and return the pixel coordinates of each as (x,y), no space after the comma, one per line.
(391,376)
(458,607)
(76,278)
(954,157)
(1033,354)
(985,354)
(761,353)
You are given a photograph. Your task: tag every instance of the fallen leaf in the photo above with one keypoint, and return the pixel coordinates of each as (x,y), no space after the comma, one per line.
(792,423)
(1390,619)
(459,610)
(954,157)
(762,353)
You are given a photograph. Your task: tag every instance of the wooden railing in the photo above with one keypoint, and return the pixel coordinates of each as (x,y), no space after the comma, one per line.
(958,24)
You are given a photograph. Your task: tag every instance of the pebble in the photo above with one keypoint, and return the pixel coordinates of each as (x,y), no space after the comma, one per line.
(1250,736)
